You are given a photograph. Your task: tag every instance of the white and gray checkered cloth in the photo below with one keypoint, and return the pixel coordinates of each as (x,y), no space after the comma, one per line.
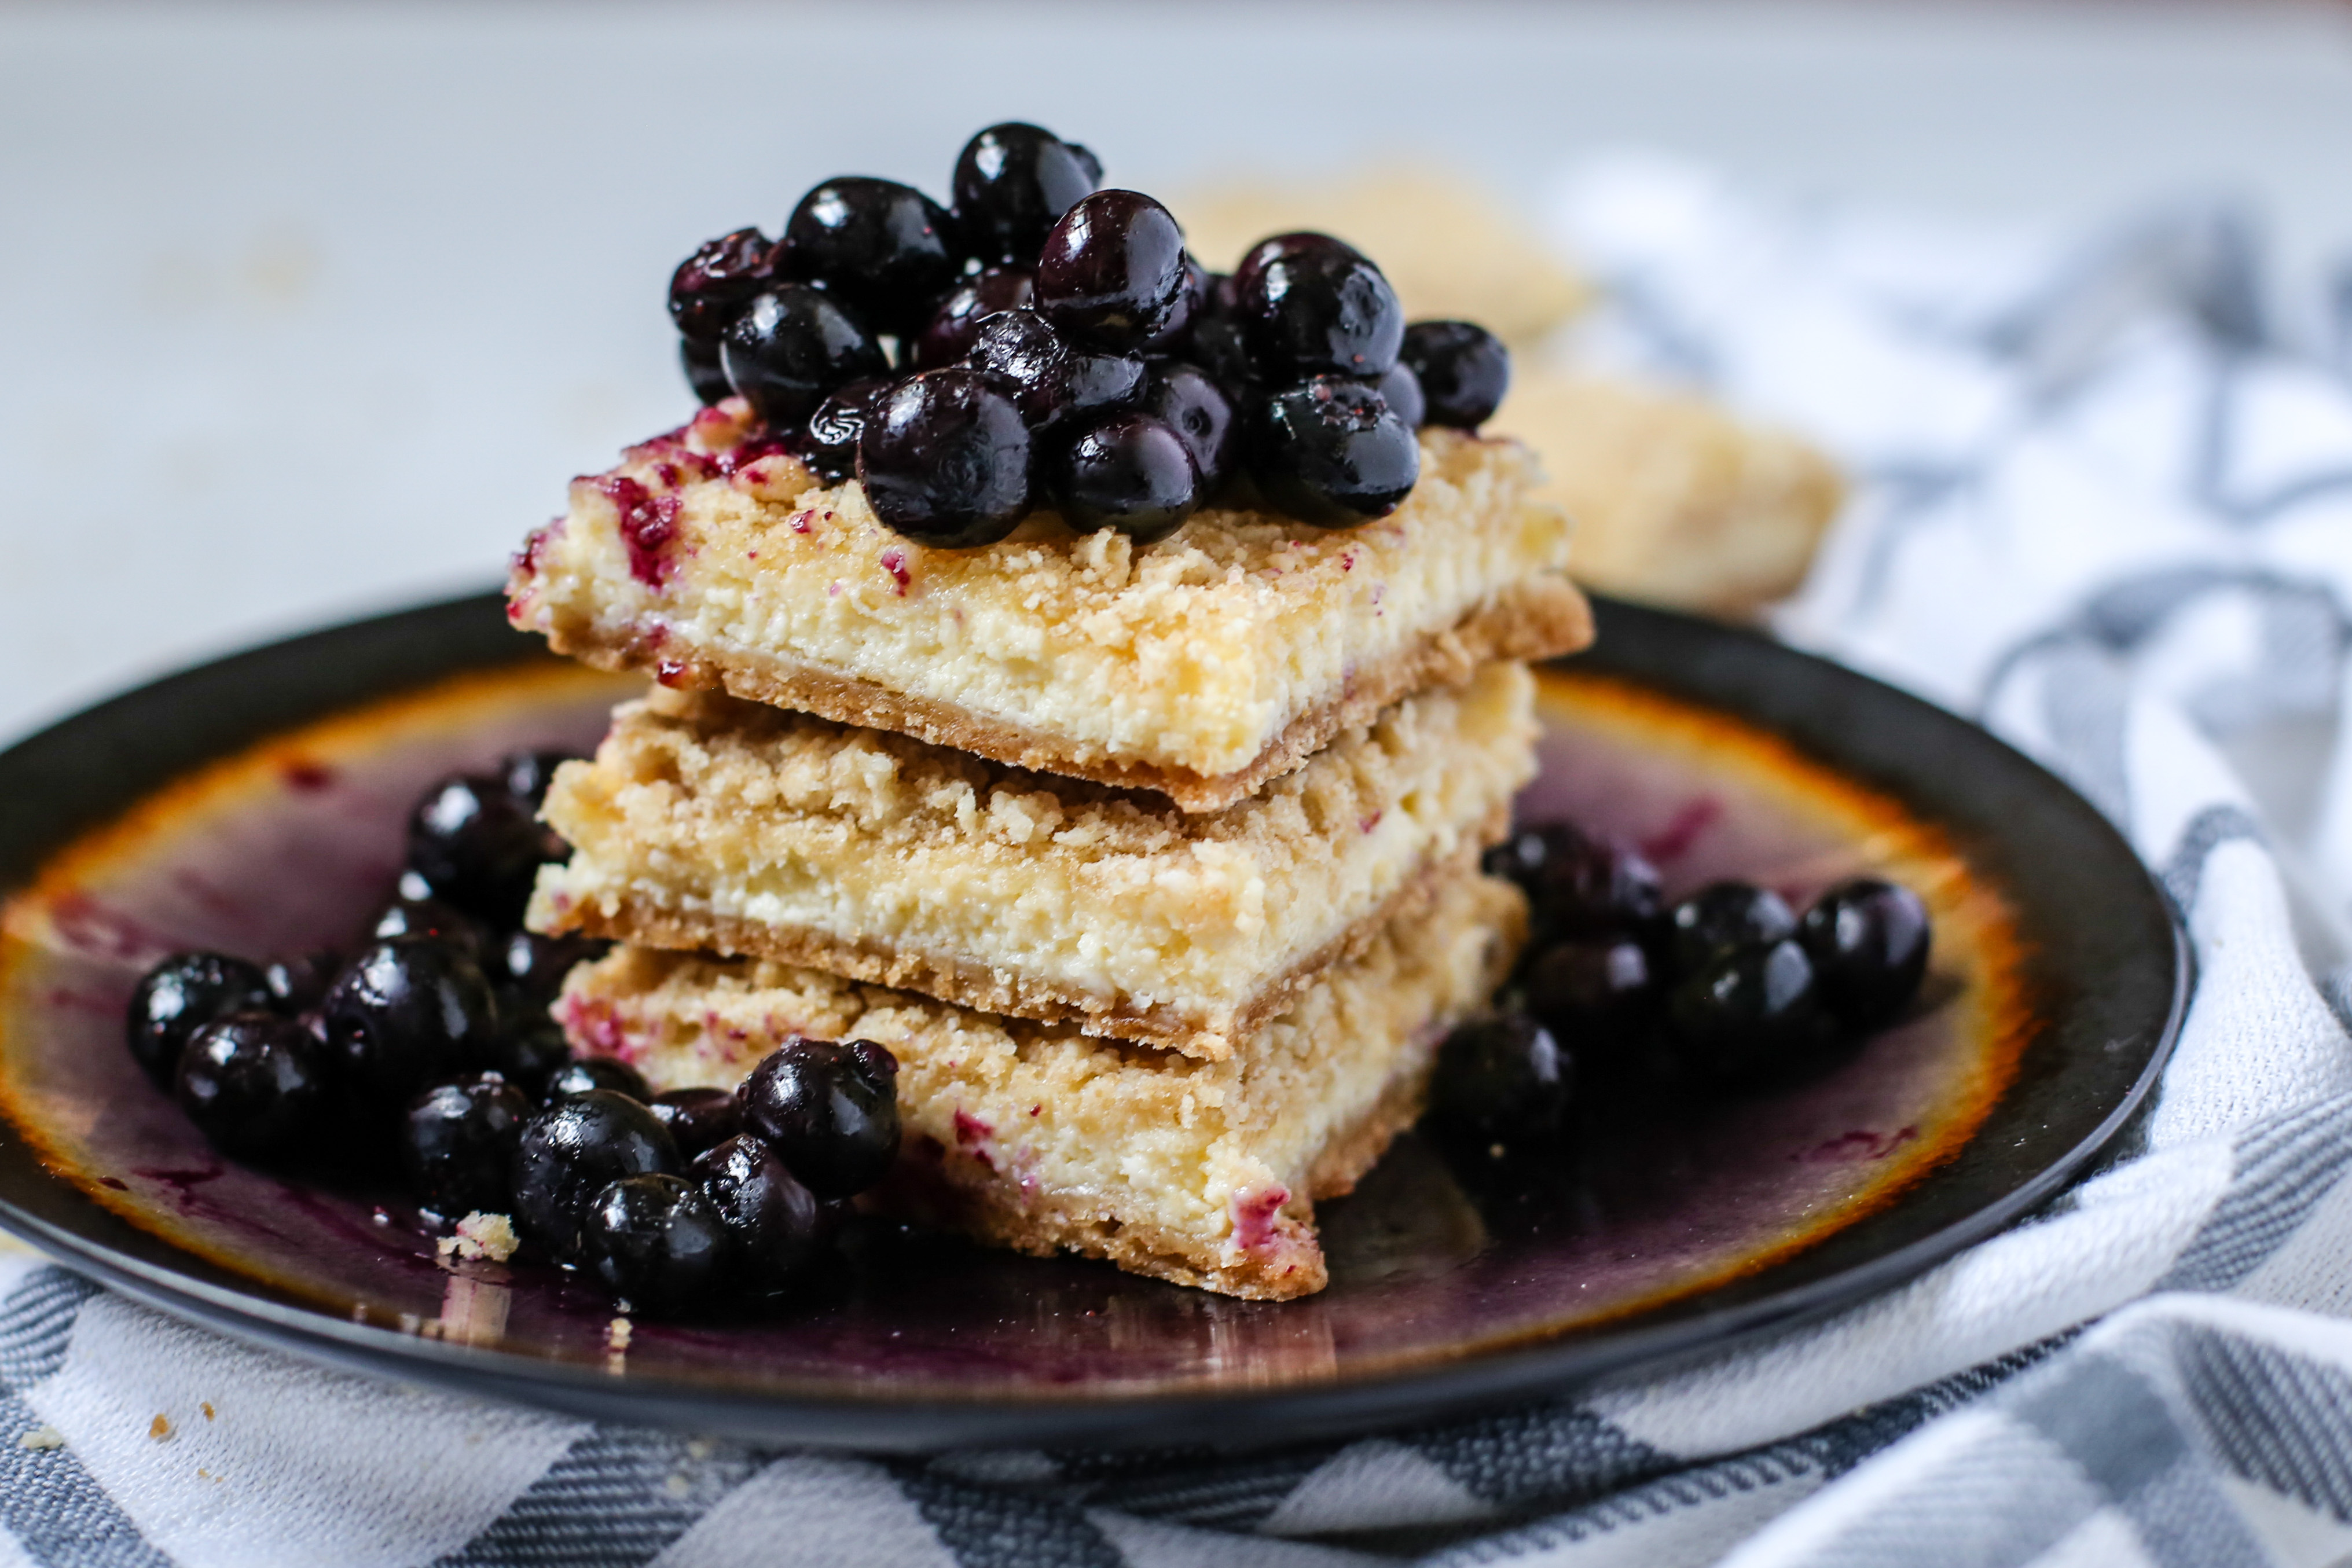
(2106,507)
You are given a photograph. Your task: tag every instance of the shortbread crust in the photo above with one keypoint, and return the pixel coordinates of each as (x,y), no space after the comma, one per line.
(1199,667)
(1042,1138)
(705,822)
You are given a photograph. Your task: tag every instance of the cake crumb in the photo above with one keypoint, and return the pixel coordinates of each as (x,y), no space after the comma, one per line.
(480,1235)
(40,1439)
(208,1408)
(160,1428)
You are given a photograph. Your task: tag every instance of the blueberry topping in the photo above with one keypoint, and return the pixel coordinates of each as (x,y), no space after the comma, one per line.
(1192,304)
(1312,309)
(299,983)
(526,774)
(1329,452)
(946,460)
(1188,400)
(432,918)
(1592,991)
(1012,183)
(1750,1014)
(829,1111)
(1401,390)
(711,286)
(179,997)
(1500,1079)
(1217,346)
(531,967)
(655,1241)
(830,449)
(408,1011)
(1723,915)
(955,321)
(250,1082)
(458,1145)
(1050,377)
(704,372)
(698,1119)
(530,1048)
(778,1226)
(1577,885)
(792,347)
(884,247)
(478,847)
(1112,272)
(1868,940)
(571,1151)
(592,1073)
(1128,472)
(1464,370)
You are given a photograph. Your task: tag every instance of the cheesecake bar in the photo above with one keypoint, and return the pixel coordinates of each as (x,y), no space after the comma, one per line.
(709,822)
(1040,1137)
(1201,665)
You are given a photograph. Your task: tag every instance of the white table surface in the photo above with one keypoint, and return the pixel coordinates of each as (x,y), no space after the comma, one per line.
(309,311)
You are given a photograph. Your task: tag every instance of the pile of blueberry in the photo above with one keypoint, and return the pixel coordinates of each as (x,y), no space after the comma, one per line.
(1728,991)
(431,1050)
(1045,342)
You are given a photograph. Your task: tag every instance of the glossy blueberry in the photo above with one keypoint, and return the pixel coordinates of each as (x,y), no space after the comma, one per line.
(299,983)
(250,1082)
(1049,377)
(571,1151)
(1463,370)
(478,847)
(1192,304)
(530,1048)
(1012,183)
(1868,939)
(1315,309)
(830,447)
(717,282)
(458,1145)
(1500,1079)
(1188,399)
(655,1241)
(531,967)
(794,346)
(704,371)
(1577,885)
(945,460)
(698,1119)
(526,774)
(593,1072)
(1329,452)
(886,248)
(1401,390)
(407,1011)
(829,1111)
(1130,472)
(1112,272)
(1597,992)
(1750,1016)
(440,921)
(778,1225)
(1723,915)
(955,321)
(179,997)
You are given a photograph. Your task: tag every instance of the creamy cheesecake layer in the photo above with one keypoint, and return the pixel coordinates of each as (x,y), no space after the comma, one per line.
(1200,665)
(706,822)
(1041,1138)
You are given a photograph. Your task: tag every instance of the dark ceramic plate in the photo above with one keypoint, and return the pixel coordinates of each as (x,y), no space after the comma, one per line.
(256,805)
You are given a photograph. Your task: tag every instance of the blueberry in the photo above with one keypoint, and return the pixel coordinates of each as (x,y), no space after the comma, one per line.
(530,1048)
(655,1241)
(1217,346)
(406,1011)
(1868,939)
(1049,377)
(1312,306)
(1329,452)
(431,917)
(1012,183)
(1577,885)
(1128,472)
(830,448)
(1723,915)
(1464,370)
(571,1151)
(717,282)
(250,1082)
(1188,399)
(179,997)
(478,846)
(794,346)
(299,983)
(1500,1079)
(1112,272)
(955,321)
(526,774)
(829,1111)
(1749,1016)
(458,1145)
(698,1119)
(1192,304)
(530,967)
(594,1072)
(886,248)
(778,1225)
(1401,390)
(1592,991)
(704,371)
(946,460)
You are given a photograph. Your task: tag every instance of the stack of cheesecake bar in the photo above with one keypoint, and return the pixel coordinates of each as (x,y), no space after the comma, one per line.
(1156,866)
